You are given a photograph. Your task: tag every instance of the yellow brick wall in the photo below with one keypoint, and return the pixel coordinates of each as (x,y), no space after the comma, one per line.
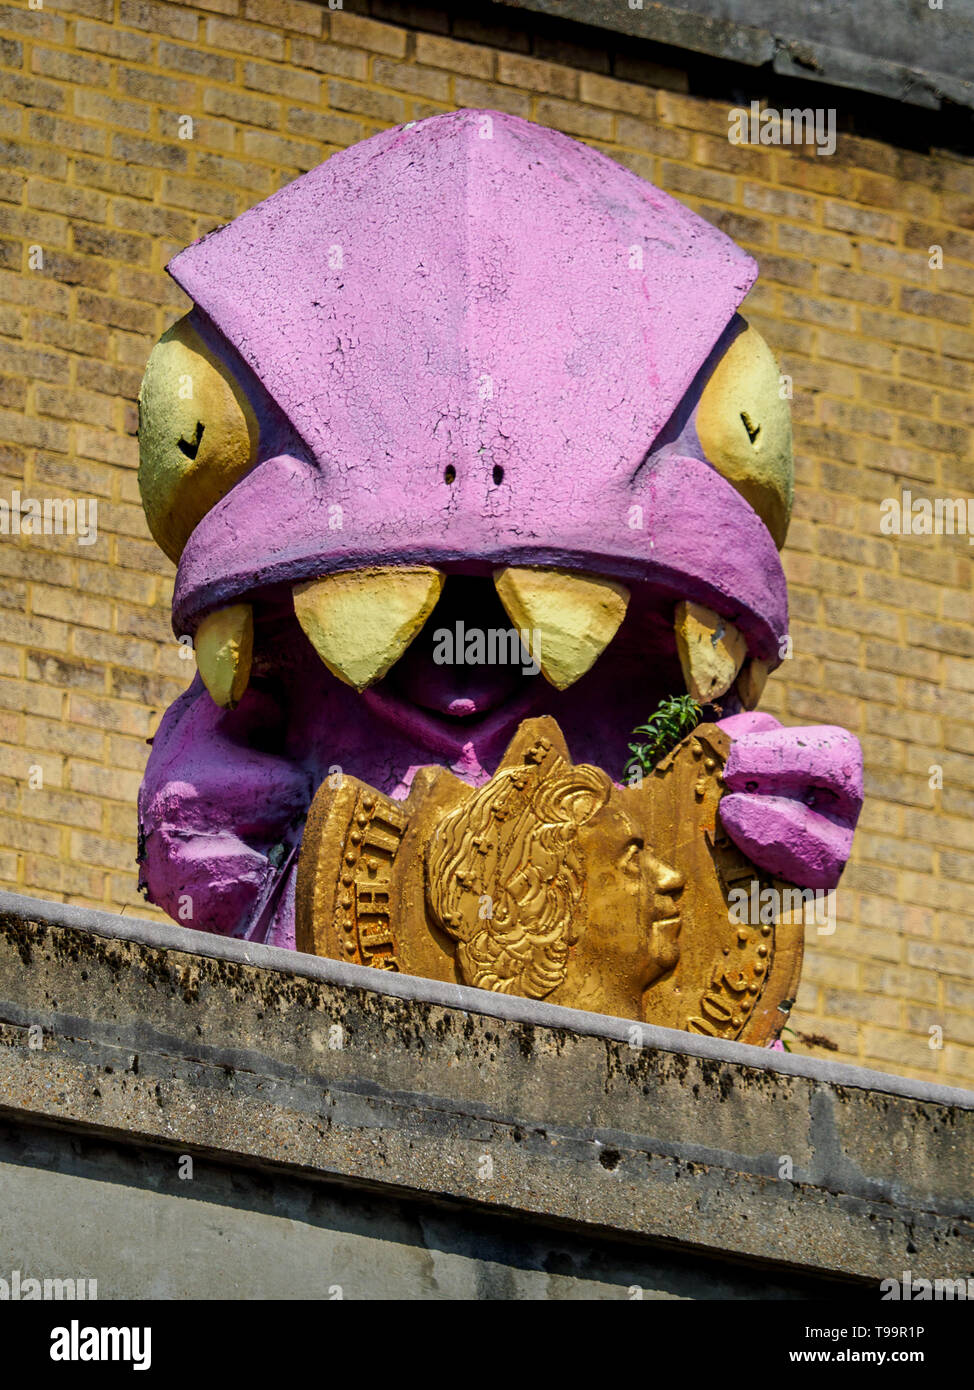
(880,348)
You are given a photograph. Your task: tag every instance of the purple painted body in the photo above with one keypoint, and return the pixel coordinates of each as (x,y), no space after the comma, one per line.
(473,342)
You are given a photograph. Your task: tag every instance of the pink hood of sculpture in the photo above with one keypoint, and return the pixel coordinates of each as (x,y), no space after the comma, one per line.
(457,319)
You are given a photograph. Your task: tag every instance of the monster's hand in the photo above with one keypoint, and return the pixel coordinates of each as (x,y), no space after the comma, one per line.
(793,797)
(218,818)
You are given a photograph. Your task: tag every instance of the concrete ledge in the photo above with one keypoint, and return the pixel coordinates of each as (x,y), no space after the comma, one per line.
(157,1035)
(168,936)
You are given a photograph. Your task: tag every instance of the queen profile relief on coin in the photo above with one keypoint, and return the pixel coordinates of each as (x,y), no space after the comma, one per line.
(550,891)
(552,882)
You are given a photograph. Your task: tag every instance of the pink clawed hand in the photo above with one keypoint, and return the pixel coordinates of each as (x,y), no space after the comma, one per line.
(793,798)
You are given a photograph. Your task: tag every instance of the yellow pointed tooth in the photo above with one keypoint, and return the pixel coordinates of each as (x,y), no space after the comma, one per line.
(570,618)
(361,621)
(711,651)
(751,682)
(224,649)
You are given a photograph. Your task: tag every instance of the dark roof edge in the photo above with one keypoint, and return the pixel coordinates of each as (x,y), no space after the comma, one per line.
(757,47)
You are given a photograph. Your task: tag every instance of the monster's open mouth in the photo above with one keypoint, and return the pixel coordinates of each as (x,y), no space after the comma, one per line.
(444,639)
(452,638)
(452,660)
(469,672)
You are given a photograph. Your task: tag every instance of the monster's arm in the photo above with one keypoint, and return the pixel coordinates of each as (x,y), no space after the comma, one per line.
(793,797)
(217,818)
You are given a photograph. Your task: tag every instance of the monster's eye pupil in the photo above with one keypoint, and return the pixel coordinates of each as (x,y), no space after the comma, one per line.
(191,447)
(752,430)
(449,474)
(498,475)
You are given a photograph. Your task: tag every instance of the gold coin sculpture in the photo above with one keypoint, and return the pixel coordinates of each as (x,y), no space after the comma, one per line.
(551,882)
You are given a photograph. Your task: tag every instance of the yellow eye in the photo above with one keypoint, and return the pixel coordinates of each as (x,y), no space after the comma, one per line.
(198,435)
(744,426)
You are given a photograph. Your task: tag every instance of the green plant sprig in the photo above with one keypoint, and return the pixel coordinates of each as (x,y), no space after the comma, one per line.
(674,718)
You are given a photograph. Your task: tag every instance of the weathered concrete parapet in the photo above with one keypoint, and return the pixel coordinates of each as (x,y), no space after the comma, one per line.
(327,1073)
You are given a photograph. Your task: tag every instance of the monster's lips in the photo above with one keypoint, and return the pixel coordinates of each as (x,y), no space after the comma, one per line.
(366,597)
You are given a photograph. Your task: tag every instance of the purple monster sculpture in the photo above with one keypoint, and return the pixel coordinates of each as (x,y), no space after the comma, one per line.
(465,373)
